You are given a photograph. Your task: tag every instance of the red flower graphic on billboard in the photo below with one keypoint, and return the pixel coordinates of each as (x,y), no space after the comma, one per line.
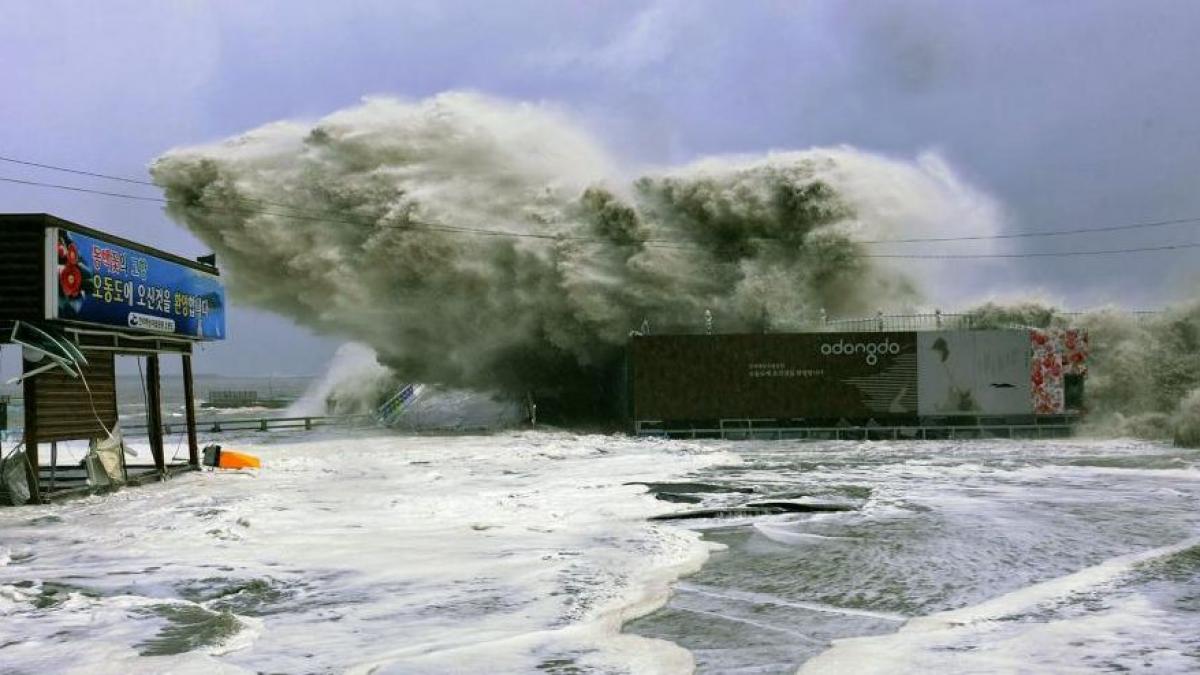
(70,279)
(73,275)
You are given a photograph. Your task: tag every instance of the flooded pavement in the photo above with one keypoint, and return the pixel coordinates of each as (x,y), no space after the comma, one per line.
(381,553)
(980,556)
(565,553)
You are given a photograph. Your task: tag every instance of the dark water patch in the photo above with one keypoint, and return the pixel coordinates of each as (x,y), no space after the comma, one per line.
(1179,460)
(852,491)
(800,507)
(565,664)
(18,558)
(249,597)
(752,509)
(1180,567)
(693,488)
(561,667)
(731,512)
(723,641)
(49,519)
(53,594)
(188,627)
(677,498)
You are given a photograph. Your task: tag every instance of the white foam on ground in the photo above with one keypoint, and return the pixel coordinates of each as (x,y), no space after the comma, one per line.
(387,553)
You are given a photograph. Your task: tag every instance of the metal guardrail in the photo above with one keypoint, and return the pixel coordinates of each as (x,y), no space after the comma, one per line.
(929,433)
(1056,426)
(307,423)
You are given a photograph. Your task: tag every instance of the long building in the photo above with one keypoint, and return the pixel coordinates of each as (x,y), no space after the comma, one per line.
(906,384)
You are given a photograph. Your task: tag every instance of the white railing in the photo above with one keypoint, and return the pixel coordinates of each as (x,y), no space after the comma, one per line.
(935,320)
(944,321)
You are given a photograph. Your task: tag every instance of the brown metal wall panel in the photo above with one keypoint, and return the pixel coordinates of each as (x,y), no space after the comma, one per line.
(64,406)
(22,260)
(798,375)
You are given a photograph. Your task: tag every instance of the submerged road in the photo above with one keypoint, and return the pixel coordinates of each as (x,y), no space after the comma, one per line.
(537,552)
(977,556)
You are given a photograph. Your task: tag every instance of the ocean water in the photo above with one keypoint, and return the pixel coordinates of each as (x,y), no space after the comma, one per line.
(980,556)
(535,552)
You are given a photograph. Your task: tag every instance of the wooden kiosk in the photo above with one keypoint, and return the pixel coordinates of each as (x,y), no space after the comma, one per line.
(75,298)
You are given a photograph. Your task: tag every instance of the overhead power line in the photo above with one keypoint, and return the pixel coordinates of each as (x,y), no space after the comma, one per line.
(901,240)
(651,243)
(1047,233)
(320,219)
(1033,254)
(135,181)
(78,172)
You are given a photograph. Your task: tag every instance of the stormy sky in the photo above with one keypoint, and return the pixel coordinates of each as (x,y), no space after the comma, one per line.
(1069,114)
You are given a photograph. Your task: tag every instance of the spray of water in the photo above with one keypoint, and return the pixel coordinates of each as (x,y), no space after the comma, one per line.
(1144,373)
(364,225)
(353,384)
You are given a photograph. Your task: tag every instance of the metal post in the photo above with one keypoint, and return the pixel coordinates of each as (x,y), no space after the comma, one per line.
(154,423)
(189,412)
(31,435)
(124,466)
(53,463)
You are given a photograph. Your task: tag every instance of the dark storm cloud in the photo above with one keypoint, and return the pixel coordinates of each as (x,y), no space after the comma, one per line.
(1076,113)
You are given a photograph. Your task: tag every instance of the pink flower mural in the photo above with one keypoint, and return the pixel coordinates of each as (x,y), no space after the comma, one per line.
(1056,352)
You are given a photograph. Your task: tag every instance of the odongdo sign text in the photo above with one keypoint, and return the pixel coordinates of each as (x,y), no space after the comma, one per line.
(98,282)
(872,349)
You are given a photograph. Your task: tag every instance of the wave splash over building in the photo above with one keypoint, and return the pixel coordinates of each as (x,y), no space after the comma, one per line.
(379,224)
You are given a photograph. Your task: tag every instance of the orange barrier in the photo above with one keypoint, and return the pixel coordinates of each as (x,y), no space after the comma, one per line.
(237,460)
(219,458)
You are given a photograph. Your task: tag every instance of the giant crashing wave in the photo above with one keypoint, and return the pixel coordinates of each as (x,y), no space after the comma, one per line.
(378,224)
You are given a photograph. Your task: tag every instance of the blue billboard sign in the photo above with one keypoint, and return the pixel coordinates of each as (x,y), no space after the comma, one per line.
(98,282)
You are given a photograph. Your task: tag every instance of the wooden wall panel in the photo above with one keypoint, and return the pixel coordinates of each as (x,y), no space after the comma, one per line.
(64,407)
